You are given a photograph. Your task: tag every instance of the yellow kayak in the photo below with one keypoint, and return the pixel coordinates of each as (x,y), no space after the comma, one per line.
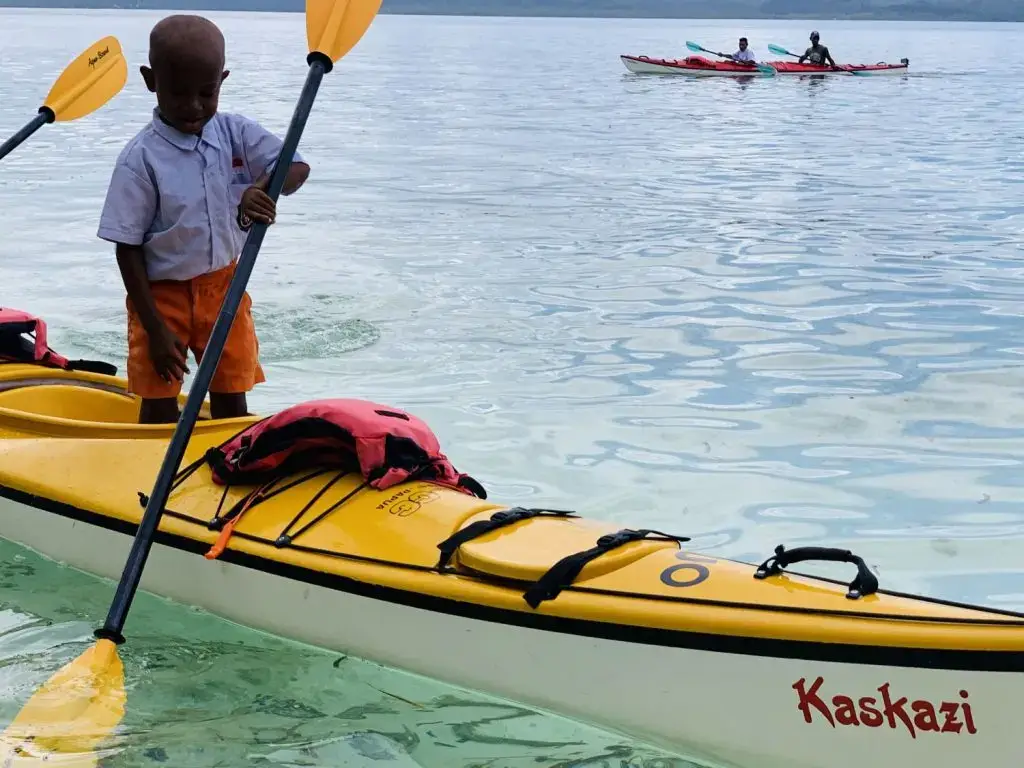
(728,662)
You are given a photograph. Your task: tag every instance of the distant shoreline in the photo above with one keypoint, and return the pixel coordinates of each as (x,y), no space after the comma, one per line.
(725,10)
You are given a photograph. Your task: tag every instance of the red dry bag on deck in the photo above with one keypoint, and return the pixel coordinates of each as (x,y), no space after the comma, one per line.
(23,340)
(387,445)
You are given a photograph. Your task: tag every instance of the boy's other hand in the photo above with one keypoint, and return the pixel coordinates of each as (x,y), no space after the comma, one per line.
(168,353)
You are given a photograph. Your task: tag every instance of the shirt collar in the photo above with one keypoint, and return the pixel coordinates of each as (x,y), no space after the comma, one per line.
(185,141)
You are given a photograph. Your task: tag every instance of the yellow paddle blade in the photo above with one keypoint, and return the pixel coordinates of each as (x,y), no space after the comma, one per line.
(74,711)
(333,27)
(90,81)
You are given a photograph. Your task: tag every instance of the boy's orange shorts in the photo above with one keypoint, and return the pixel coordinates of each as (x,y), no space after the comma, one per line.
(190,308)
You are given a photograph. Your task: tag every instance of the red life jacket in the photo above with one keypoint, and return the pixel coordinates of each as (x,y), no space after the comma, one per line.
(387,445)
(23,340)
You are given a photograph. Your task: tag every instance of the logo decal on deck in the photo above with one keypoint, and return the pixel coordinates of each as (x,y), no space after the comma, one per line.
(407,501)
(693,570)
(887,709)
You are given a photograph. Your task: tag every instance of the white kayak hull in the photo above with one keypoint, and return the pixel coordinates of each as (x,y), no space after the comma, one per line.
(756,704)
(652,67)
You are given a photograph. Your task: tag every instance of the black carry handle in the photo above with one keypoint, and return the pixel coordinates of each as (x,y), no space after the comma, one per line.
(865,583)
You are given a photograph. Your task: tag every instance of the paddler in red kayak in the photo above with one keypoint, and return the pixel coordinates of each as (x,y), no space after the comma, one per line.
(744,53)
(817,54)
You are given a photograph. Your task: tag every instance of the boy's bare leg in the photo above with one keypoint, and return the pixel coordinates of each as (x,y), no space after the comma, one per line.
(228,406)
(160,411)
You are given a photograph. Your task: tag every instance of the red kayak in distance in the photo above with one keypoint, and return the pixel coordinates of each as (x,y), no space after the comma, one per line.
(699,66)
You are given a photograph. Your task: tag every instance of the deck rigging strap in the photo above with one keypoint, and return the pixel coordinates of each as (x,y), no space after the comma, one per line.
(500,519)
(562,574)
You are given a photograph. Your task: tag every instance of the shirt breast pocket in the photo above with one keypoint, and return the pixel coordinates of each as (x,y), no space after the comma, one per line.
(240,171)
(240,180)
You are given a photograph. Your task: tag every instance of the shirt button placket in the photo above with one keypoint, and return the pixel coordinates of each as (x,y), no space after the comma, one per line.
(209,171)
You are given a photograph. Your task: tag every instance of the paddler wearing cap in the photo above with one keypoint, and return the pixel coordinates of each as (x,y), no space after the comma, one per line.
(817,53)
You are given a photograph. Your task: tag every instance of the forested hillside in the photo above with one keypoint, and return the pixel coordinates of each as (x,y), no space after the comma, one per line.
(930,10)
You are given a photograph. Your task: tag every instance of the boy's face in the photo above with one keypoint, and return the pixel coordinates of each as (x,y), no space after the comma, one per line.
(187,90)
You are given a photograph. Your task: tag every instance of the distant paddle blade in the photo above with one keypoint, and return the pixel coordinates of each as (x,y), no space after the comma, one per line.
(73,712)
(779,51)
(333,27)
(90,81)
(693,46)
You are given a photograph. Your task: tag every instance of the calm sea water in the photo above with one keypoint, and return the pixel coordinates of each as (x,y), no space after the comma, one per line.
(784,310)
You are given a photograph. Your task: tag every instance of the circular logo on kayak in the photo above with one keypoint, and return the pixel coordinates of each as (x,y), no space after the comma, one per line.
(408,501)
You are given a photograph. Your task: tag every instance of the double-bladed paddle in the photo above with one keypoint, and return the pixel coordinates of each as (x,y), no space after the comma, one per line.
(82,704)
(778,50)
(765,69)
(90,81)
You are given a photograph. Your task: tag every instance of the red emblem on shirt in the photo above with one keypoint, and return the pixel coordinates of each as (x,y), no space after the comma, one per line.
(236,162)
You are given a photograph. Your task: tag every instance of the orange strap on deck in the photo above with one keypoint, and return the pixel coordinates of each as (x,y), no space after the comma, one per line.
(225,533)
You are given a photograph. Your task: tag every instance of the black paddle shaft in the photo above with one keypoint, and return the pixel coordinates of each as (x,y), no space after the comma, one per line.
(45,116)
(319,65)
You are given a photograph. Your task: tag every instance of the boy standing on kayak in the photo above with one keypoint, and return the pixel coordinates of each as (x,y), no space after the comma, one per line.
(183,193)
(817,54)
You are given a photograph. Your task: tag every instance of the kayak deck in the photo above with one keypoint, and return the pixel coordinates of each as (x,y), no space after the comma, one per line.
(331,523)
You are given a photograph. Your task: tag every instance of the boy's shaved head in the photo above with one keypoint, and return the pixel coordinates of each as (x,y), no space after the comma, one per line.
(186,69)
(183,40)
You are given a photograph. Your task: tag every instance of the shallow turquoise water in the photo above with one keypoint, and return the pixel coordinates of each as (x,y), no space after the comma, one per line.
(753,313)
(204,692)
